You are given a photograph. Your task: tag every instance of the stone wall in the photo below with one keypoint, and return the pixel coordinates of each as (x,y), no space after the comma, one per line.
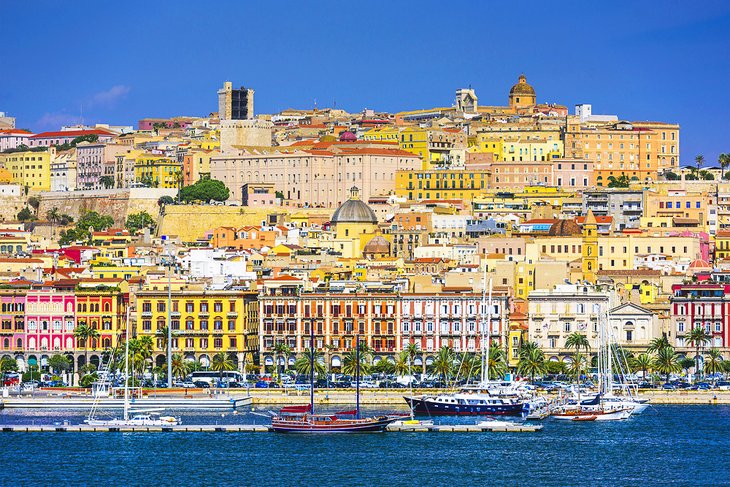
(118,203)
(191,222)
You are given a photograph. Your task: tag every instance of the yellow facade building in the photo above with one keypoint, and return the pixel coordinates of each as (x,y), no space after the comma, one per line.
(441,184)
(157,171)
(30,169)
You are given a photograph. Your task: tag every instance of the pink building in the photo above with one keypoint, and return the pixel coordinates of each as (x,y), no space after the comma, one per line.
(47,139)
(12,138)
(12,321)
(50,320)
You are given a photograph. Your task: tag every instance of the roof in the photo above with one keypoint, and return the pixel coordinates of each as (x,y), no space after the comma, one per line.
(14,132)
(354,211)
(71,133)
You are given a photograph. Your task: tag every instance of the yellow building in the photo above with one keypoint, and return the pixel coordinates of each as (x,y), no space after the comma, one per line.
(157,171)
(436,147)
(529,145)
(30,169)
(521,203)
(203,323)
(589,262)
(354,224)
(100,305)
(441,184)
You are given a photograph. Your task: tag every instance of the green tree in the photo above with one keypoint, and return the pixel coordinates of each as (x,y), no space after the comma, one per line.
(384,367)
(618,182)
(349,362)
(443,364)
(706,175)
(281,349)
(699,337)
(161,334)
(59,363)
(222,362)
(205,190)
(497,362)
(658,344)
(107,181)
(89,222)
(671,176)
(555,367)
(577,342)
(180,366)
(85,333)
(642,362)
(666,362)
(303,363)
(138,221)
(724,161)
(578,365)
(531,361)
(25,215)
(713,363)
(53,216)
(165,200)
(402,364)
(686,364)
(699,162)
(7,364)
(34,203)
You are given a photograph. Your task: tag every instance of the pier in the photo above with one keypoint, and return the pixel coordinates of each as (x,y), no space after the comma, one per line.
(255,428)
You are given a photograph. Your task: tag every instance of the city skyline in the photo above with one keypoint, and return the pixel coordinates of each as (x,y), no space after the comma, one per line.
(361,57)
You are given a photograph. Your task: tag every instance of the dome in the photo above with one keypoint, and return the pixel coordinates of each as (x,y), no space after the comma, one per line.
(522,88)
(564,228)
(700,264)
(378,245)
(348,136)
(354,211)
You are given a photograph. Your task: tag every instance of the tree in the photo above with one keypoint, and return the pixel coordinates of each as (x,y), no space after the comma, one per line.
(90,221)
(671,176)
(349,362)
(698,336)
(706,175)
(59,363)
(85,334)
(384,367)
(497,361)
(281,349)
(642,362)
(724,161)
(666,362)
(165,200)
(180,366)
(577,342)
(7,364)
(34,203)
(618,182)
(222,362)
(658,344)
(205,190)
(555,368)
(686,364)
(699,162)
(107,181)
(53,216)
(303,364)
(161,334)
(443,364)
(531,361)
(25,215)
(402,364)
(578,365)
(137,221)
(713,363)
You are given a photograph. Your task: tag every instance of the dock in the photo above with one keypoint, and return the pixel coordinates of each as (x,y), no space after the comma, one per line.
(255,428)
(220,403)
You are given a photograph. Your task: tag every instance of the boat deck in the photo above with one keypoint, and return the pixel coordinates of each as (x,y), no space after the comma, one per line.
(254,428)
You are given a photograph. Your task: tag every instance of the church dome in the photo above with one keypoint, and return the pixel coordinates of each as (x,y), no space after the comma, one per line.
(378,245)
(348,136)
(522,88)
(354,211)
(564,228)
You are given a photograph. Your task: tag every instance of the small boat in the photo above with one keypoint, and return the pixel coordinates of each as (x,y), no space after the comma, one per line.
(592,417)
(580,414)
(140,419)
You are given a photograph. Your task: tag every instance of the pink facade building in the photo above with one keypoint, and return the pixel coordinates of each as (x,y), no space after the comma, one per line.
(47,139)
(50,320)
(12,321)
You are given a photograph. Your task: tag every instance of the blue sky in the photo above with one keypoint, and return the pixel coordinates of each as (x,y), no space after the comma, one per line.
(122,61)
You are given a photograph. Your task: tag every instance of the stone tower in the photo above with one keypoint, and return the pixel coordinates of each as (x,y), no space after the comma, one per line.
(590,248)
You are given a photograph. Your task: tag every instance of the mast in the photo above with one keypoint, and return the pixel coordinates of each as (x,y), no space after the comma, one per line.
(311,368)
(489,326)
(126,368)
(482,309)
(357,377)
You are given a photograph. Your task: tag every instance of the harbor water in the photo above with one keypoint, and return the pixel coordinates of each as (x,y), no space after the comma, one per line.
(667,445)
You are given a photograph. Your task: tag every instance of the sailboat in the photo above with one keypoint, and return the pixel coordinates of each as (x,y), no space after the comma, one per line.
(412,421)
(487,398)
(598,409)
(303,419)
(140,417)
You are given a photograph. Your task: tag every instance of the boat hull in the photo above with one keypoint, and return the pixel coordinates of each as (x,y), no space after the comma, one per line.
(434,408)
(374,425)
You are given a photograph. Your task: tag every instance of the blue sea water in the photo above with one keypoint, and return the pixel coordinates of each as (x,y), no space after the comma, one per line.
(667,445)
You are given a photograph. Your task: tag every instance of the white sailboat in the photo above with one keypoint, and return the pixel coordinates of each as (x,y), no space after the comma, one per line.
(146,417)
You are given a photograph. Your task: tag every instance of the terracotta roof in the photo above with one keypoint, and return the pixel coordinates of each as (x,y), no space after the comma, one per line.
(284,277)
(14,131)
(70,133)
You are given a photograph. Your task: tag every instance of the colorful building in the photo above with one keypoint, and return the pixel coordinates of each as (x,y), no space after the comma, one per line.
(157,171)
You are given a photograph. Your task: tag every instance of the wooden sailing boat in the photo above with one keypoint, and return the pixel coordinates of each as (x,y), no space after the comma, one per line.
(302,419)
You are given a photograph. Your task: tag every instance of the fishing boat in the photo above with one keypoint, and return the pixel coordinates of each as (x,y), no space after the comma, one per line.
(303,419)
(146,417)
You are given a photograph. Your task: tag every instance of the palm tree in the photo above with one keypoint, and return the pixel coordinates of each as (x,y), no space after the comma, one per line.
(328,349)
(577,342)
(497,361)
(349,362)
(443,365)
(699,337)
(402,363)
(222,362)
(161,334)
(86,334)
(724,160)
(470,365)
(713,363)
(686,364)
(303,364)
(180,366)
(578,365)
(666,362)
(531,361)
(658,344)
(53,215)
(281,349)
(699,161)
(642,362)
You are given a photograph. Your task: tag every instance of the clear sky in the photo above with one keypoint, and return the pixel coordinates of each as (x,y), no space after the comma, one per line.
(122,61)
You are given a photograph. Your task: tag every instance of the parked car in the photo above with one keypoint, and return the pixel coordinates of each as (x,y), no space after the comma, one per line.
(201,384)
(262,384)
(723,385)
(669,387)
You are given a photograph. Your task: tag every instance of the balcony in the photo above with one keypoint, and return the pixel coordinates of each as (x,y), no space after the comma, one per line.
(204,314)
(232,314)
(146,314)
(175,314)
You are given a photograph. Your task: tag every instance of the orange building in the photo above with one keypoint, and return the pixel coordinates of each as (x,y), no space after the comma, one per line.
(249,237)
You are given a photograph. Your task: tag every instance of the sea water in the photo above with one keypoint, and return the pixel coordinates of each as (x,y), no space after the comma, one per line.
(667,445)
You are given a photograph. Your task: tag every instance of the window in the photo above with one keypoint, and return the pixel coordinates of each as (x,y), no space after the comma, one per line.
(566,327)
(629,335)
